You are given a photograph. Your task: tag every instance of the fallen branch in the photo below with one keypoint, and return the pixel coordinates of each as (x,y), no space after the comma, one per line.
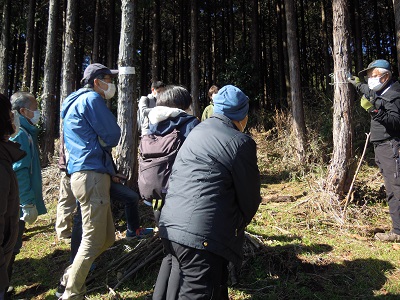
(154,254)
(350,193)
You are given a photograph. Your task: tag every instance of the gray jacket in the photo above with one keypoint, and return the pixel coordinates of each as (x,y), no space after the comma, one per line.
(146,103)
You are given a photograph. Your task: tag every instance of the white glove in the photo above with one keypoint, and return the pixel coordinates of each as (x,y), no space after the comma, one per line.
(29,213)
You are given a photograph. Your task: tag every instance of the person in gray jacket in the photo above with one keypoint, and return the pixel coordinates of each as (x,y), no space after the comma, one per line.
(146,103)
(214,192)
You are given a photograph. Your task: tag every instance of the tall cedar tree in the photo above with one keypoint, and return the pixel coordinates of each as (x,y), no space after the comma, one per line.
(127,149)
(340,170)
(49,85)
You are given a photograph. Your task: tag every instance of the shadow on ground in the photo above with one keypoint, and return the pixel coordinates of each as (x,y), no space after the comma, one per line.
(278,273)
(268,272)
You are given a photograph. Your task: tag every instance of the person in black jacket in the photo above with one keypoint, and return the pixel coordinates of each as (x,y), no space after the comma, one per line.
(214,192)
(10,152)
(381,99)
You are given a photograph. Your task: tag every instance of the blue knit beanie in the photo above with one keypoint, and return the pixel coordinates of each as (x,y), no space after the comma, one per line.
(231,102)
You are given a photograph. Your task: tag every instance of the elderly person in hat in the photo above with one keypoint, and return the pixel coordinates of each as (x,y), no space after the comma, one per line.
(381,99)
(213,193)
(90,131)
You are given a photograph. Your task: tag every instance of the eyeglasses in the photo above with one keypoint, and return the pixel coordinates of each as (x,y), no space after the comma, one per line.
(366,77)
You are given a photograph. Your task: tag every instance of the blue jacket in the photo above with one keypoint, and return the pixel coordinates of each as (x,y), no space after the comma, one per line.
(28,169)
(87,123)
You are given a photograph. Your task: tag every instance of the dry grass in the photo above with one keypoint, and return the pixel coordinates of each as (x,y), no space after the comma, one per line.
(307,249)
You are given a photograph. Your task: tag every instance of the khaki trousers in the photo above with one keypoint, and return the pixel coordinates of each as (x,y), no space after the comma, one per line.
(92,190)
(65,208)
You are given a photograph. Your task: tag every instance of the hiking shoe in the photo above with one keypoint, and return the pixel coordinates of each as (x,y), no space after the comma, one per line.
(60,290)
(387,236)
(139,233)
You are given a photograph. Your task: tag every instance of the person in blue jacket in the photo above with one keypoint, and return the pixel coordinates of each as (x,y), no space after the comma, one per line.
(28,169)
(90,132)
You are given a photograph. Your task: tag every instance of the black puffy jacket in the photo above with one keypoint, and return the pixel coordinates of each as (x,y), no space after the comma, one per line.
(214,189)
(385,119)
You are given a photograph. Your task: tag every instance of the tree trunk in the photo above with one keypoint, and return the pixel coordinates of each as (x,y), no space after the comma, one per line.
(194,60)
(48,97)
(127,149)
(28,46)
(4,44)
(95,51)
(325,49)
(281,55)
(358,36)
(155,65)
(17,60)
(340,168)
(110,39)
(298,127)
(396,8)
(255,50)
(70,43)
(35,60)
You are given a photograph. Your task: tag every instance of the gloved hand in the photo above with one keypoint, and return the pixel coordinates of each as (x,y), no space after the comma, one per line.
(29,213)
(354,80)
(368,106)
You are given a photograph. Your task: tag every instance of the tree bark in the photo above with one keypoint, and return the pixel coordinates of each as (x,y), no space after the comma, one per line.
(28,46)
(110,39)
(35,59)
(69,60)
(255,50)
(126,154)
(194,60)
(339,176)
(48,97)
(325,43)
(396,8)
(155,65)
(281,49)
(95,51)
(357,36)
(298,126)
(4,44)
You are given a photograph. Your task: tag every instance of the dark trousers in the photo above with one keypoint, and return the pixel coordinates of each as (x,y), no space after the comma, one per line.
(387,159)
(191,274)
(119,193)
(125,195)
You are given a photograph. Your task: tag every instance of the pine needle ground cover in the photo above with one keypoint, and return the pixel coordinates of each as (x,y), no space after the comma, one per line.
(295,248)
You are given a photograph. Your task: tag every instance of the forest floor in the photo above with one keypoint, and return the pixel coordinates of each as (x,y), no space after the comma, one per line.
(300,246)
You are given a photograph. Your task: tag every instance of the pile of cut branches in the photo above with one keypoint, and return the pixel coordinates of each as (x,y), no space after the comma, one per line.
(127,258)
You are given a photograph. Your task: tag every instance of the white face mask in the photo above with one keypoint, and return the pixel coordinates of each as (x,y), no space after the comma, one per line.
(110,91)
(16,123)
(374,83)
(36,116)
